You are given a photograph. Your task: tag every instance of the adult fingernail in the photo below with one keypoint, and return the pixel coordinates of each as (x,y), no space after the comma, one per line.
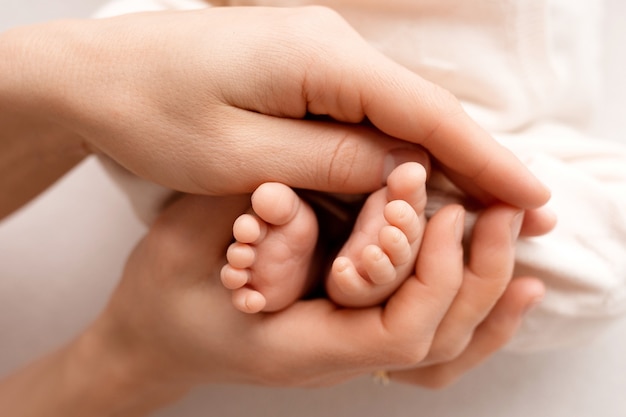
(459,225)
(531,305)
(516,225)
(400,156)
(549,215)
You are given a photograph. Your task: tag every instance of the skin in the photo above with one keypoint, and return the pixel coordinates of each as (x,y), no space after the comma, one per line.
(170,325)
(104,89)
(269,264)
(161,334)
(68,88)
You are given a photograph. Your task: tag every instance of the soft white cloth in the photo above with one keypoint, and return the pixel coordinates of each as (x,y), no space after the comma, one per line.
(526,70)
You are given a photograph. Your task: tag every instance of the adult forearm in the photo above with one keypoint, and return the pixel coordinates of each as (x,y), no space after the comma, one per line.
(35,149)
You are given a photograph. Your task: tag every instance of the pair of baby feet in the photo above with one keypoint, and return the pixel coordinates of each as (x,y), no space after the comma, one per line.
(270,262)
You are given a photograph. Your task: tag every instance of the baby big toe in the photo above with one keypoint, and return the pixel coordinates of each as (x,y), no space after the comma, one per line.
(275,203)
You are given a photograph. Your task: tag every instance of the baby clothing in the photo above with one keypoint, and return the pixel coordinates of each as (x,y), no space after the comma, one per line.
(528,72)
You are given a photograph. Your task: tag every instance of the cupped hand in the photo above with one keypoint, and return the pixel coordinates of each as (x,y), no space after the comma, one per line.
(218,101)
(171,321)
(487,309)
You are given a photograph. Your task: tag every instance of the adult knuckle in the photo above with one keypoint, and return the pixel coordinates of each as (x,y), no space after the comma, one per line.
(342,161)
(407,356)
(445,353)
(450,350)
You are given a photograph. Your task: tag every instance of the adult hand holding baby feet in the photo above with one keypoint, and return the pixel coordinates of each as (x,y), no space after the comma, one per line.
(269,265)
(186,330)
(170,325)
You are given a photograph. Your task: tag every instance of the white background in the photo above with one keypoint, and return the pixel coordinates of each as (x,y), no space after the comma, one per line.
(46,298)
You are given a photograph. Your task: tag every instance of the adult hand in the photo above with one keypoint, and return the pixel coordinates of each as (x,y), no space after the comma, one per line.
(488,306)
(170,324)
(215,102)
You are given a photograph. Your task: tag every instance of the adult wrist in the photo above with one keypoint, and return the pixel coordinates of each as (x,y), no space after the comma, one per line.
(107,378)
(88,377)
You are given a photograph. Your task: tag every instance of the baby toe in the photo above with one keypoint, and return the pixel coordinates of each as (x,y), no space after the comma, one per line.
(248,300)
(400,214)
(395,244)
(234,278)
(240,255)
(378,266)
(249,229)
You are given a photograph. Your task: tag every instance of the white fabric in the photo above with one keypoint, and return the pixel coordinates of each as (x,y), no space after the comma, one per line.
(527,71)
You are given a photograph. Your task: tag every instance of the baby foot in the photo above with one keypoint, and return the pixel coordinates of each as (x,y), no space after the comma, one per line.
(381,251)
(268,265)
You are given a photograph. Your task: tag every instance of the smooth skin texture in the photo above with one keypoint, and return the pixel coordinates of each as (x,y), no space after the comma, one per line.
(71,87)
(269,264)
(170,324)
(220,96)
(381,251)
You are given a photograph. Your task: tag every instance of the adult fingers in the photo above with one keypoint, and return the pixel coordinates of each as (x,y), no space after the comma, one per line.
(423,113)
(351,81)
(492,334)
(309,154)
(332,340)
(538,222)
(486,276)
(351,85)
(439,267)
